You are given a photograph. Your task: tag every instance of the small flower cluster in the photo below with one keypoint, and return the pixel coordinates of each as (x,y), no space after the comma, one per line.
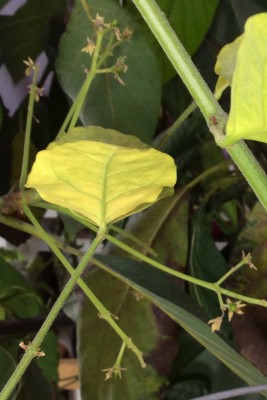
(31,68)
(116,370)
(100,26)
(233,308)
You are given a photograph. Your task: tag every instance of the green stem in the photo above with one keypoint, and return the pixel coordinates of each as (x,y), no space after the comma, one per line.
(232,271)
(87,83)
(246,299)
(27,140)
(66,121)
(75,109)
(202,95)
(221,302)
(208,285)
(105,71)
(87,10)
(31,230)
(119,358)
(134,239)
(33,348)
(108,51)
(170,131)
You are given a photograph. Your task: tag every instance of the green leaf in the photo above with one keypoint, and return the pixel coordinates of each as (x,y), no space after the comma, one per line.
(7,366)
(10,276)
(247,119)
(164,293)
(35,385)
(26,305)
(49,363)
(99,345)
(133,108)
(204,374)
(187,389)
(164,228)
(71,227)
(103,182)
(252,239)
(2,313)
(23,34)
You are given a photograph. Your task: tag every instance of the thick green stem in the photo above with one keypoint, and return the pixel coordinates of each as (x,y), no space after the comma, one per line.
(202,95)
(179,57)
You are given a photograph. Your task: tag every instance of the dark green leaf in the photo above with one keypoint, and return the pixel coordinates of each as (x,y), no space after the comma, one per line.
(7,366)
(25,305)
(34,384)
(187,389)
(164,228)
(205,374)
(206,263)
(49,363)
(252,239)
(71,227)
(133,108)
(10,276)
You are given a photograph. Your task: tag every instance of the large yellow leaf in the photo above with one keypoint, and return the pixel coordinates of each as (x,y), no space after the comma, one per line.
(248,114)
(103,182)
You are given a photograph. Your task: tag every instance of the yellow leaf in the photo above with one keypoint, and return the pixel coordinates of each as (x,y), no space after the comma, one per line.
(248,114)
(225,65)
(104,182)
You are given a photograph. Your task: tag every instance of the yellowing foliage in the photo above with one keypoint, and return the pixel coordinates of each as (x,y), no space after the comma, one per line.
(248,114)
(103,182)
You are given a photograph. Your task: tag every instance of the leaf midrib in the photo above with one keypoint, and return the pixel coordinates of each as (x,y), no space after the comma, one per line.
(104,189)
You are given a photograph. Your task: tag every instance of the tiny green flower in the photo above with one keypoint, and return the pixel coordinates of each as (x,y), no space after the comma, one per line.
(234,307)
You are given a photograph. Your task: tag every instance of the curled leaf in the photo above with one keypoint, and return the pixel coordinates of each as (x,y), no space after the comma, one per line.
(102,174)
(248,115)
(225,65)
